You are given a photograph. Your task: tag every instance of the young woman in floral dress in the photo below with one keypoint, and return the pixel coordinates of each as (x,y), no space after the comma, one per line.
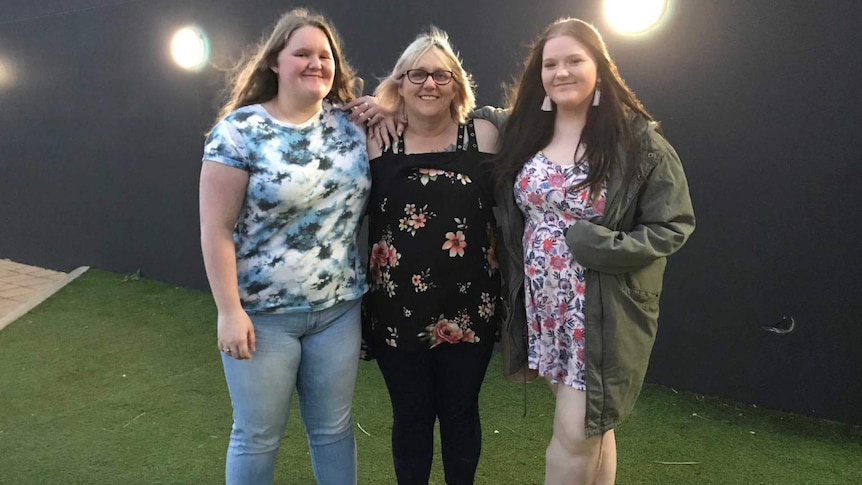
(592,199)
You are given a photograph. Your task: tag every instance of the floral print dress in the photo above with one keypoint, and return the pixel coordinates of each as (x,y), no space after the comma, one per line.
(554,281)
(432,269)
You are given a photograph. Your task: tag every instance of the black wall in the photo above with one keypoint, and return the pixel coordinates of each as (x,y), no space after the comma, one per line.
(101,137)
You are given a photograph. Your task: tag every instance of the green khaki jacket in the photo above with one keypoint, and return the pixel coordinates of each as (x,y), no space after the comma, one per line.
(625,254)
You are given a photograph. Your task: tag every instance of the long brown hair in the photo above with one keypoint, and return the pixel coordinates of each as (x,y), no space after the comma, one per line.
(529,129)
(253,81)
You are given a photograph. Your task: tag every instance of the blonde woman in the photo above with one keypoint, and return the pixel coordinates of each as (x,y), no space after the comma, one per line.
(431,308)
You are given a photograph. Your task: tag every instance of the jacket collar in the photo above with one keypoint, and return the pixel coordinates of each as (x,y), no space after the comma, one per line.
(620,198)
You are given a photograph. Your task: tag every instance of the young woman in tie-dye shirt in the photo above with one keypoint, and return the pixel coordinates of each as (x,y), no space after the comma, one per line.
(283,187)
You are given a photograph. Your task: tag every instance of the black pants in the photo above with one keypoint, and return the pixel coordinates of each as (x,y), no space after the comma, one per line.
(440,383)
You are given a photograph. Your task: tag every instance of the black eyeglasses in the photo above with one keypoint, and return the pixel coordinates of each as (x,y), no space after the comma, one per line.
(419,76)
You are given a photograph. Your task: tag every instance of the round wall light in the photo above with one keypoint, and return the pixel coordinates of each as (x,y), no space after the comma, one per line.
(7,74)
(634,16)
(190,48)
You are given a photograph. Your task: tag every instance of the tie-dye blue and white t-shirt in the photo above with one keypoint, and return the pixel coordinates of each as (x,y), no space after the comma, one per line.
(308,185)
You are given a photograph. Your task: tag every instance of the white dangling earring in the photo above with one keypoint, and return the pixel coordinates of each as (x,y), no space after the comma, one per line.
(597,96)
(546,104)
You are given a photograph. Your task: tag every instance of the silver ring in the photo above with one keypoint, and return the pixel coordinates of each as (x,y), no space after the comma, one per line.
(226,350)
(366,104)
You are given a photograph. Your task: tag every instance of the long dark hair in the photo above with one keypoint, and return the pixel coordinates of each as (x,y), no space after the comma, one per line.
(252,81)
(529,129)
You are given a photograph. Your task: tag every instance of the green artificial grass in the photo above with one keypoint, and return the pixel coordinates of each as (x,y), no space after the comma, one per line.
(118,381)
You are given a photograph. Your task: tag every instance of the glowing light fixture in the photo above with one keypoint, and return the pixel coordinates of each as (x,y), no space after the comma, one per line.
(7,74)
(190,48)
(634,16)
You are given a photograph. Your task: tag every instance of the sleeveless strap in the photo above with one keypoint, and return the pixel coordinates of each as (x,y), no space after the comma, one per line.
(470,146)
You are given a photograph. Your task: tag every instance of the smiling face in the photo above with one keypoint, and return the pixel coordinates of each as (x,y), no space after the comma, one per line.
(428,99)
(305,67)
(568,73)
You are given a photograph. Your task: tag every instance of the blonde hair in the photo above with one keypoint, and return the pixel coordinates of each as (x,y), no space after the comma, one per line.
(253,80)
(438,41)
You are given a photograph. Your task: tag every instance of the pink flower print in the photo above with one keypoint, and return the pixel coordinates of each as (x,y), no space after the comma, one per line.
(579,352)
(583,194)
(447,331)
(417,280)
(599,206)
(377,273)
(469,336)
(417,221)
(547,245)
(379,254)
(549,323)
(455,243)
(523,183)
(379,260)
(558,262)
(393,256)
(579,288)
(530,270)
(534,198)
(578,335)
(562,308)
(556,180)
(568,217)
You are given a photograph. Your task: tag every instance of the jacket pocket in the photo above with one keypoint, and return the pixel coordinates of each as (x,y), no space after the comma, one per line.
(644,285)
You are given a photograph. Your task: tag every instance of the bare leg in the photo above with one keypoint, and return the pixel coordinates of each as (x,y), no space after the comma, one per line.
(553,387)
(571,457)
(607,473)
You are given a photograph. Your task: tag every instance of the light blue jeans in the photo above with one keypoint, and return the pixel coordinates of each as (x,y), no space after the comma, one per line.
(318,354)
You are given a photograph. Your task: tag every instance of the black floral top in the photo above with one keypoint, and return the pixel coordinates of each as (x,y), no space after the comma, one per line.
(432,268)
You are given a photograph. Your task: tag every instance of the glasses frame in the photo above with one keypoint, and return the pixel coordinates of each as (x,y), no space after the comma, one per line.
(431,75)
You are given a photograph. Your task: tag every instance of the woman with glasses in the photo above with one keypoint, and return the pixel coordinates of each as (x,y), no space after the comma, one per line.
(430,314)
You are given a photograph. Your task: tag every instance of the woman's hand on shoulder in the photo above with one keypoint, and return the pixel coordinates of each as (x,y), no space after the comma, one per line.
(382,126)
(486,135)
(364,111)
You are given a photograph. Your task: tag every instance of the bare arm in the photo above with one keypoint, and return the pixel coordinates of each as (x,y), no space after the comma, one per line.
(222,191)
(486,135)
(497,116)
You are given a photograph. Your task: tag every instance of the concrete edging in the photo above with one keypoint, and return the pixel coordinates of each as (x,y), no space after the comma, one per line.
(22,310)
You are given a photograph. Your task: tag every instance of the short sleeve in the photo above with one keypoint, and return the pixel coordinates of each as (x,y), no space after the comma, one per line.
(225,145)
